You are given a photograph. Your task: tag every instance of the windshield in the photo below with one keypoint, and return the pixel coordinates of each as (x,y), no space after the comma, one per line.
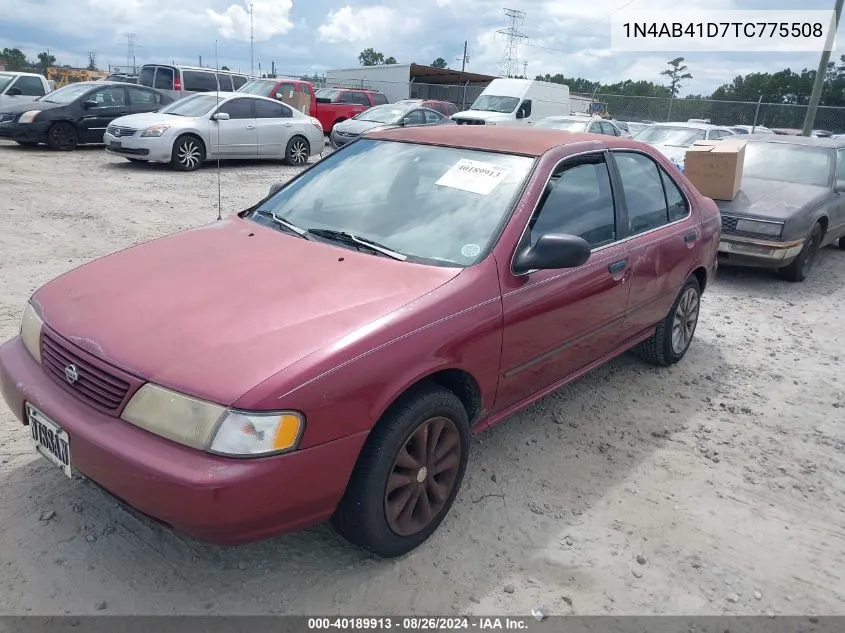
(571,125)
(258,87)
(636,128)
(327,95)
(5,80)
(195,105)
(802,165)
(381,114)
(67,94)
(672,136)
(492,103)
(437,205)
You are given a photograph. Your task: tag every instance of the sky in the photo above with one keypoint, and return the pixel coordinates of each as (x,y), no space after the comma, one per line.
(308,36)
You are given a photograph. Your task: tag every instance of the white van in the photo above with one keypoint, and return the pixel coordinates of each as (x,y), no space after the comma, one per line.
(516,101)
(181,81)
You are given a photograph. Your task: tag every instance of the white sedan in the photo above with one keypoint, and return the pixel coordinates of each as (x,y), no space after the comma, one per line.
(211,125)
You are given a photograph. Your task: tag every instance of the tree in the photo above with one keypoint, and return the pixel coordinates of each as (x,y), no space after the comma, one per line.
(45,60)
(13,58)
(439,63)
(677,72)
(92,61)
(371,57)
(224,68)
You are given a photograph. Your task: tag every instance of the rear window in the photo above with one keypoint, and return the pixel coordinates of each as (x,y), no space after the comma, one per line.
(145,78)
(198,81)
(164,79)
(378,98)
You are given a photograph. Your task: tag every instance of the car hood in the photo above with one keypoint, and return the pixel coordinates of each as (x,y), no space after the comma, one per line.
(146,119)
(483,115)
(772,199)
(216,310)
(14,106)
(353,126)
(13,100)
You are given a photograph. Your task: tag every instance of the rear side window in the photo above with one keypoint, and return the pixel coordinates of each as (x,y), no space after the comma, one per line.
(377,98)
(145,77)
(238,81)
(225,82)
(137,96)
(270,110)
(199,81)
(643,187)
(164,79)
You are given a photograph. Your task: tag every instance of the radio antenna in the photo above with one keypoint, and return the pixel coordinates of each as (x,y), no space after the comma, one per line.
(216,74)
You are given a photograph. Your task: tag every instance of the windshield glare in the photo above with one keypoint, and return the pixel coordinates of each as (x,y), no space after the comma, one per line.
(673,136)
(492,103)
(67,94)
(570,125)
(789,163)
(258,87)
(381,114)
(195,105)
(5,80)
(404,208)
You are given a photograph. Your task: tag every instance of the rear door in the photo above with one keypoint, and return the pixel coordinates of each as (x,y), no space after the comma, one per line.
(237,137)
(275,125)
(664,233)
(108,104)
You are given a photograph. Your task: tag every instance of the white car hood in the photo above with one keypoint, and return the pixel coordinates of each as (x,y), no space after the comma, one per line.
(147,119)
(484,115)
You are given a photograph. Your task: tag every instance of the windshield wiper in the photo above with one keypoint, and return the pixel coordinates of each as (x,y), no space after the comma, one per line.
(285,224)
(353,240)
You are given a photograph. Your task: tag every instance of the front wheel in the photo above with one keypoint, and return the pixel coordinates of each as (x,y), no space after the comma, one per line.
(62,136)
(297,151)
(188,154)
(673,336)
(801,265)
(408,474)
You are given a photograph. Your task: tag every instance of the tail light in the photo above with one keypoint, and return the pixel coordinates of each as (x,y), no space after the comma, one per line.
(177,83)
(316,123)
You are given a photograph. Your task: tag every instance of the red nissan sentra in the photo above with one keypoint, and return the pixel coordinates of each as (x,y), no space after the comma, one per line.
(329,352)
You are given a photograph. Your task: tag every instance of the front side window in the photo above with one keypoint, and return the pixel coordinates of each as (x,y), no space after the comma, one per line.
(643,187)
(436,205)
(578,201)
(238,109)
(432,117)
(110,97)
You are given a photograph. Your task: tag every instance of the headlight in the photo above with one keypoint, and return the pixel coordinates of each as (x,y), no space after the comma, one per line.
(207,426)
(771,229)
(29,116)
(155,130)
(31,325)
(245,434)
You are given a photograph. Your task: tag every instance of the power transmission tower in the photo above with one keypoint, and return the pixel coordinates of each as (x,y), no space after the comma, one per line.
(130,51)
(251,43)
(509,66)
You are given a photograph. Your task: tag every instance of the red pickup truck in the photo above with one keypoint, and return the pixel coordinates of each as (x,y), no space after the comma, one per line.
(328,105)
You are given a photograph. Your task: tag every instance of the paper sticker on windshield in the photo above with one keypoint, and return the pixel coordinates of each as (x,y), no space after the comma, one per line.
(470,250)
(474,176)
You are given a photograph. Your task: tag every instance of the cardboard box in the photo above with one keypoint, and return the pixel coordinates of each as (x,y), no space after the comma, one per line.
(715,167)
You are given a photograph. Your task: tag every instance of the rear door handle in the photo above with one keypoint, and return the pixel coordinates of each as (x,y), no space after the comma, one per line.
(616,267)
(288,124)
(691,236)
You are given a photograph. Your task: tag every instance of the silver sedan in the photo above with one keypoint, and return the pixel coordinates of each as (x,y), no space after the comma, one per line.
(213,125)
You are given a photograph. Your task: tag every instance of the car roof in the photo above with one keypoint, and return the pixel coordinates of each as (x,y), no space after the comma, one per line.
(694,126)
(807,141)
(507,139)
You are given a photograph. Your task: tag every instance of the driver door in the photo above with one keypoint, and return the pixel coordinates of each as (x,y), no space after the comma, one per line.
(557,322)
(111,103)
(237,137)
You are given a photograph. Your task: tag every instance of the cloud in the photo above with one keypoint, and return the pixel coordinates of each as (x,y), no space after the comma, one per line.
(269,18)
(372,25)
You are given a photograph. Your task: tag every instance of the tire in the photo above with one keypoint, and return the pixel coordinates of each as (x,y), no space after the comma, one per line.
(841,243)
(298,151)
(801,265)
(188,153)
(668,344)
(62,136)
(388,459)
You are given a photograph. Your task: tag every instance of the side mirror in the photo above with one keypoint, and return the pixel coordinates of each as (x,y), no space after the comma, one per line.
(221,116)
(551,252)
(275,187)
(404,122)
(15,92)
(89,104)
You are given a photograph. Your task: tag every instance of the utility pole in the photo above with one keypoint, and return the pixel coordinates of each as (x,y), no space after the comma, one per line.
(464,58)
(251,43)
(816,95)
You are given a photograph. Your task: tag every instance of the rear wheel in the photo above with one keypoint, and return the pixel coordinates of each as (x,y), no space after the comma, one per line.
(408,474)
(62,136)
(188,153)
(801,265)
(841,243)
(673,336)
(297,151)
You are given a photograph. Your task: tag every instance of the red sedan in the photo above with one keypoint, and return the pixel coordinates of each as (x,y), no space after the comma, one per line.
(328,353)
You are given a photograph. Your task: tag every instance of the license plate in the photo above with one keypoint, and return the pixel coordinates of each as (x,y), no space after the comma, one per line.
(115,144)
(50,439)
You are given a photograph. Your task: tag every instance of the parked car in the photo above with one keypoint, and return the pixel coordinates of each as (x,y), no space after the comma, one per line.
(76,114)
(224,125)
(750,129)
(122,77)
(673,139)
(446,108)
(581,123)
(332,107)
(384,116)
(342,339)
(789,205)
(791,131)
(635,127)
(17,87)
(181,81)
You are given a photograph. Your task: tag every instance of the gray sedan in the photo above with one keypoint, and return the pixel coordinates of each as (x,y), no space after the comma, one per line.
(789,205)
(384,116)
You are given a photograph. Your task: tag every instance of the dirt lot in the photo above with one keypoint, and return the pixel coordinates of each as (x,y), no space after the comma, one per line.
(717,486)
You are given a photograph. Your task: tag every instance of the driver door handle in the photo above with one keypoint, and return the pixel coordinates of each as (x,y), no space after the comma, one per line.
(250,127)
(691,236)
(616,267)
(288,124)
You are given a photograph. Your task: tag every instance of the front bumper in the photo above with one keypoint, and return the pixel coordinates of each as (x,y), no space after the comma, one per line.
(747,251)
(214,499)
(35,132)
(339,140)
(154,149)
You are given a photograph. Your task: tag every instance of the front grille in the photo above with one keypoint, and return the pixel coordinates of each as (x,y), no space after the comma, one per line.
(729,223)
(470,121)
(95,385)
(6,117)
(120,131)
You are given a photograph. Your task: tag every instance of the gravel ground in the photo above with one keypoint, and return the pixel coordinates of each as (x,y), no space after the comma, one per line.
(712,487)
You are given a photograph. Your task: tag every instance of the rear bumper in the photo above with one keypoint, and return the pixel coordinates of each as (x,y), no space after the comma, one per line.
(211,498)
(746,251)
(26,132)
